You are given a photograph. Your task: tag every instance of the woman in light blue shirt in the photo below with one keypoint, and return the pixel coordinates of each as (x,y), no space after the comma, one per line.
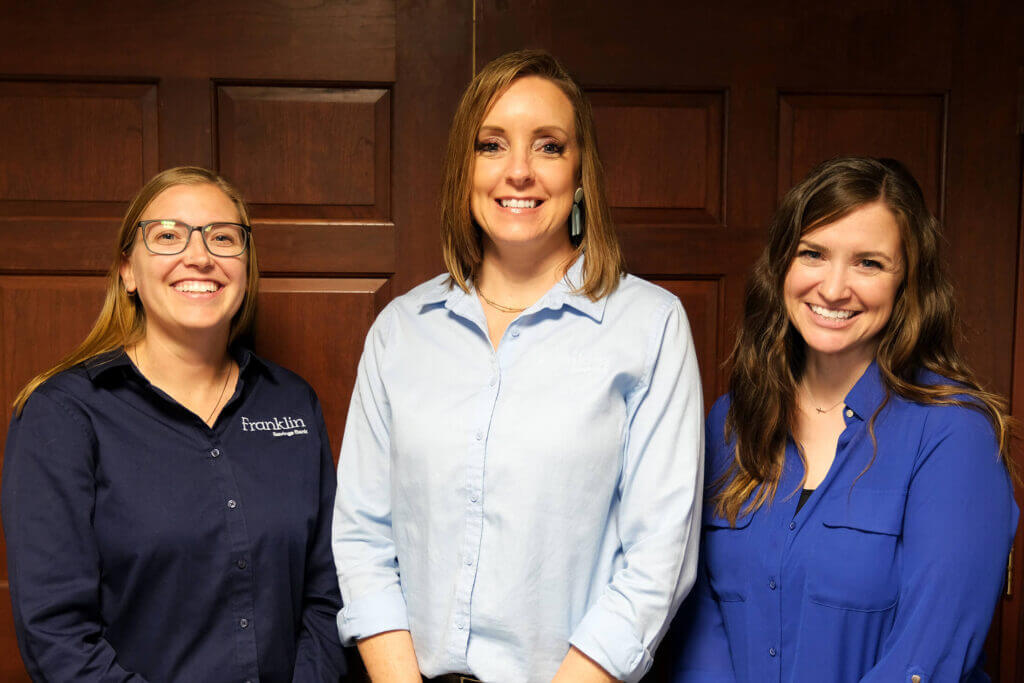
(859,511)
(519,476)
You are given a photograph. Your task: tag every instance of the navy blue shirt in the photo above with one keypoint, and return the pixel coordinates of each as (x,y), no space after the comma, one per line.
(144,545)
(888,574)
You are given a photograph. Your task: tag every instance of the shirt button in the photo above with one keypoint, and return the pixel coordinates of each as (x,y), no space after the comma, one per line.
(243,622)
(772,652)
(459,626)
(479,436)
(242,564)
(771,583)
(232,504)
(792,525)
(849,412)
(215,452)
(469,561)
(915,679)
(515,331)
(474,498)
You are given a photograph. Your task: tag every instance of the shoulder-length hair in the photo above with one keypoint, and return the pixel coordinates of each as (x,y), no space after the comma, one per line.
(768,357)
(460,236)
(122,319)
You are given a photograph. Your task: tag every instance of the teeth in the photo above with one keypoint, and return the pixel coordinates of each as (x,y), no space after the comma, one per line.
(830,313)
(519,203)
(194,286)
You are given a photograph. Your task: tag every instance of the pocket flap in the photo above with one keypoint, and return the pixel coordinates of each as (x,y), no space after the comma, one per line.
(715,521)
(878,511)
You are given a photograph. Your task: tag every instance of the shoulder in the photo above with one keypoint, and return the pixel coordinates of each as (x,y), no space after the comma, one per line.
(636,292)
(409,306)
(284,381)
(62,402)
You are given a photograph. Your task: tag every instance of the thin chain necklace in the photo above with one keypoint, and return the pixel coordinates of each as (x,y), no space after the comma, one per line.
(500,307)
(814,401)
(223,388)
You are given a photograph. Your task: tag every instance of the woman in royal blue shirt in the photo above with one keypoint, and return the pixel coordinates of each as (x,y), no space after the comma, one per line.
(166,493)
(859,512)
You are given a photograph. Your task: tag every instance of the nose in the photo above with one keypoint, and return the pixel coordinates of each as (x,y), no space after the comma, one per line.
(520,168)
(195,253)
(834,285)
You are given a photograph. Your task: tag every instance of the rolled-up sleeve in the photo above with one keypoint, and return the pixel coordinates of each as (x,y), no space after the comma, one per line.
(364,548)
(658,514)
(53,560)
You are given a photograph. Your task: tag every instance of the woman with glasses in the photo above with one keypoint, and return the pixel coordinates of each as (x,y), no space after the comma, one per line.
(167,494)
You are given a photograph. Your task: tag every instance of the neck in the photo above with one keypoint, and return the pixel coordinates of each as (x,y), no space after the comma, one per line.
(518,276)
(170,361)
(830,377)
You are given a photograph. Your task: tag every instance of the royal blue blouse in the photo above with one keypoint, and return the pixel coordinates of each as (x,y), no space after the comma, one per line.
(889,575)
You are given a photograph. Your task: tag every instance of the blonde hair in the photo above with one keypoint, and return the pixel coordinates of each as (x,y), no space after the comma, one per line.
(122,319)
(460,236)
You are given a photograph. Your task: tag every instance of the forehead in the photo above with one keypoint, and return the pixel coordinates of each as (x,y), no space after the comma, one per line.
(197,204)
(871,227)
(531,101)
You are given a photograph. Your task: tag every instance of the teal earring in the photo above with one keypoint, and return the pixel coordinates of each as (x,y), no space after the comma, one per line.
(576,220)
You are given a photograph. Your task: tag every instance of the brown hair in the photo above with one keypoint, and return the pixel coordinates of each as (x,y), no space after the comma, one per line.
(122,319)
(460,236)
(768,358)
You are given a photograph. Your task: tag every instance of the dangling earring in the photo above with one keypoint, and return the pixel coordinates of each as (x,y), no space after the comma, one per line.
(576,221)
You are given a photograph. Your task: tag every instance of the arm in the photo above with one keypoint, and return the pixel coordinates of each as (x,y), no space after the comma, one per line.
(364,550)
(52,554)
(957,530)
(389,658)
(319,656)
(658,515)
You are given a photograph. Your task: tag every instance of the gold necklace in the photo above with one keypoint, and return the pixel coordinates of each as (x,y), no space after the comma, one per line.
(500,307)
(223,388)
(821,411)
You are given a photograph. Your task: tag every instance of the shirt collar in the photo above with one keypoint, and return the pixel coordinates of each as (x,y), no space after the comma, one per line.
(105,362)
(867,394)
(466,304)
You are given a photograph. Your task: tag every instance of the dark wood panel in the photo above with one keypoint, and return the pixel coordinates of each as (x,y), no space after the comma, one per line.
(701,299)
(319,247)
(328,41)
(11,668)
(76,141)
(315,146)
(317,327)
(910,128)
(664,154)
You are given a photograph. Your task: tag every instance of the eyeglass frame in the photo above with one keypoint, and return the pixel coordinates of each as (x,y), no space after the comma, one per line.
(246,231)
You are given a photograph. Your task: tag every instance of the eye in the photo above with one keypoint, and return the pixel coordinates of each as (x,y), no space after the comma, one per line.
(871,264)
(553,148)
(809,255)
(488,146)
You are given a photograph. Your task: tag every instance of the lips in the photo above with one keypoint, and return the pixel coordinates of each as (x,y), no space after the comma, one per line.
(516,203)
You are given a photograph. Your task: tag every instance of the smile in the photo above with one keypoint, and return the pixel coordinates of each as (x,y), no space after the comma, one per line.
(519,203)
(831,313)
(196,286)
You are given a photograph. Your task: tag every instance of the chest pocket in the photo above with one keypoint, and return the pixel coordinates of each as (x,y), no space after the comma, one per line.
(728,553)
(855,566)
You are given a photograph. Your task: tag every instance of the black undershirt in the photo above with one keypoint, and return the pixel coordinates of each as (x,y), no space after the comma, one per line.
(804,495)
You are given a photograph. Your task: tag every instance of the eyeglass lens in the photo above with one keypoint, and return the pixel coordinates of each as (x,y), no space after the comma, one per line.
(171,237)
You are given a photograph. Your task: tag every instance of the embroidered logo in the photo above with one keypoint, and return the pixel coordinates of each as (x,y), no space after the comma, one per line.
(277,426)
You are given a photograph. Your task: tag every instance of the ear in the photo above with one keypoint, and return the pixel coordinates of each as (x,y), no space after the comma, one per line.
(127,275)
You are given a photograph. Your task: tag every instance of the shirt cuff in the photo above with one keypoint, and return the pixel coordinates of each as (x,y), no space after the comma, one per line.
(371,615)
(610,640)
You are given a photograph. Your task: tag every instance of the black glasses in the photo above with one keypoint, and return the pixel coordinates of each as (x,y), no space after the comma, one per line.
(169,237)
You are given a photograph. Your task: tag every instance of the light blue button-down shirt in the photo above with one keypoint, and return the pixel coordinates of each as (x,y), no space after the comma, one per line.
(502,505)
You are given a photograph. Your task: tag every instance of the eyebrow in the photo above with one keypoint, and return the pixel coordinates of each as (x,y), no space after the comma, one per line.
(860,255)
(536,131)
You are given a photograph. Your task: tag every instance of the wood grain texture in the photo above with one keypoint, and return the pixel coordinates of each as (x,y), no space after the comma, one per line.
(319,146)
(60,140)
(909,128)
(664,154)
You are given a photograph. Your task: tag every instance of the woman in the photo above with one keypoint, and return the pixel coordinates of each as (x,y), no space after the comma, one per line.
(156,530)
(859,514)
(520,464)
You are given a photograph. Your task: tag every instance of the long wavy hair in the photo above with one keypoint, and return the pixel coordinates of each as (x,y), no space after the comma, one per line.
(460,236)
(122,319)
(769,355)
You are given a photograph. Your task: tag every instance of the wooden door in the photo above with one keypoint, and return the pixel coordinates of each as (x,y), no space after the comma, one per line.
(708,112)
(331,117)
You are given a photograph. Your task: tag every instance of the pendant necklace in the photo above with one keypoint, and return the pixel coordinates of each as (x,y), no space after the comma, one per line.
(821,411)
